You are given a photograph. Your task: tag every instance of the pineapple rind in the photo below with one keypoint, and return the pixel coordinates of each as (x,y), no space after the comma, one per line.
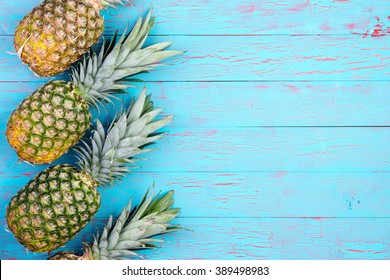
(52,208)
(61,200)
(56,33)
(97,78)
(48,122)
(120,239)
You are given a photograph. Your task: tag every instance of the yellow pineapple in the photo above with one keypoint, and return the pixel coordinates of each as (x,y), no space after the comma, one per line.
(56,33)
(55,205)
(55,117)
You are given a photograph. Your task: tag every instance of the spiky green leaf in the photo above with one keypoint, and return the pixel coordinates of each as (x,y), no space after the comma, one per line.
(133,229)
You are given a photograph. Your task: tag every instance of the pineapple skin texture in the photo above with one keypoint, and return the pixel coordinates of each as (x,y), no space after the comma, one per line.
(53,207)
(48,123)
(56,33)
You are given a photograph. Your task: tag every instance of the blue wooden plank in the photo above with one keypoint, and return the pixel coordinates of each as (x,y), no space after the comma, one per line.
(232,17)
(248,239)
(245,194)
(244,184)
(252,58)
(252,149)
(222,104)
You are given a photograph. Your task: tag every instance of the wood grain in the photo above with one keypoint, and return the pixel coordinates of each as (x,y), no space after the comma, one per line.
(252,149)
(240,238)
(227,17)
(253,59)
(246,194)
(280,144)
(246,104)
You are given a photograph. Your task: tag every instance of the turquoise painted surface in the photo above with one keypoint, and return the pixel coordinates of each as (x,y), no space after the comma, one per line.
(280,145)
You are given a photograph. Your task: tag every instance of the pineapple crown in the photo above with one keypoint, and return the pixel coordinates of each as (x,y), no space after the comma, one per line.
(99,75)
(134,229)
(111,150)
(113,3)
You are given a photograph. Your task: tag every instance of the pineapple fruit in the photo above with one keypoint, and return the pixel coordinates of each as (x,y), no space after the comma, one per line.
(133,230)
(56,33)
(55,205)
(54,118)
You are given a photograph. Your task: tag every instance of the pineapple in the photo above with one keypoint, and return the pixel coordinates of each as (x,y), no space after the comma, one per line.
(133,230)
(55,205)
(55,117)
(56,33)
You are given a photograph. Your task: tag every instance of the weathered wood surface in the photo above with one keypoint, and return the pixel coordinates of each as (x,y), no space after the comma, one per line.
(247,194)
(280,144)
(252,58)
(252,149)
(249,238)
(229,17)
(247,104)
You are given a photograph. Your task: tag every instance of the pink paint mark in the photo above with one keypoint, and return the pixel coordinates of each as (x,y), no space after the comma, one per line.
(280,174)
(190,187)
(308,56)
(326,59)
(368,67)
(318,218)
(204,85)
(224,58)
(293,88)
(221,199)
(247,9)
(359,251)
(197,56)
(29,174)
(232,253)
(379,29)
(262,87)
(185,133)
(241,60)
(350,26)
(211,132)
(299,7)
(325,26)
(163,94)
(199,121)
(262,247)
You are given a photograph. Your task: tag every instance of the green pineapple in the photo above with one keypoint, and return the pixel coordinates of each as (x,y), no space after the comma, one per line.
(133,230)
(54,118)
(54,206)
(56,33)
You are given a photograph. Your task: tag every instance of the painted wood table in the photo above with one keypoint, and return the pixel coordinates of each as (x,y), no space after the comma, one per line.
(280,148)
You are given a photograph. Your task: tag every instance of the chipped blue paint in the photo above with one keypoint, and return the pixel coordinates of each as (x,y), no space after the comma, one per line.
(280,144)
